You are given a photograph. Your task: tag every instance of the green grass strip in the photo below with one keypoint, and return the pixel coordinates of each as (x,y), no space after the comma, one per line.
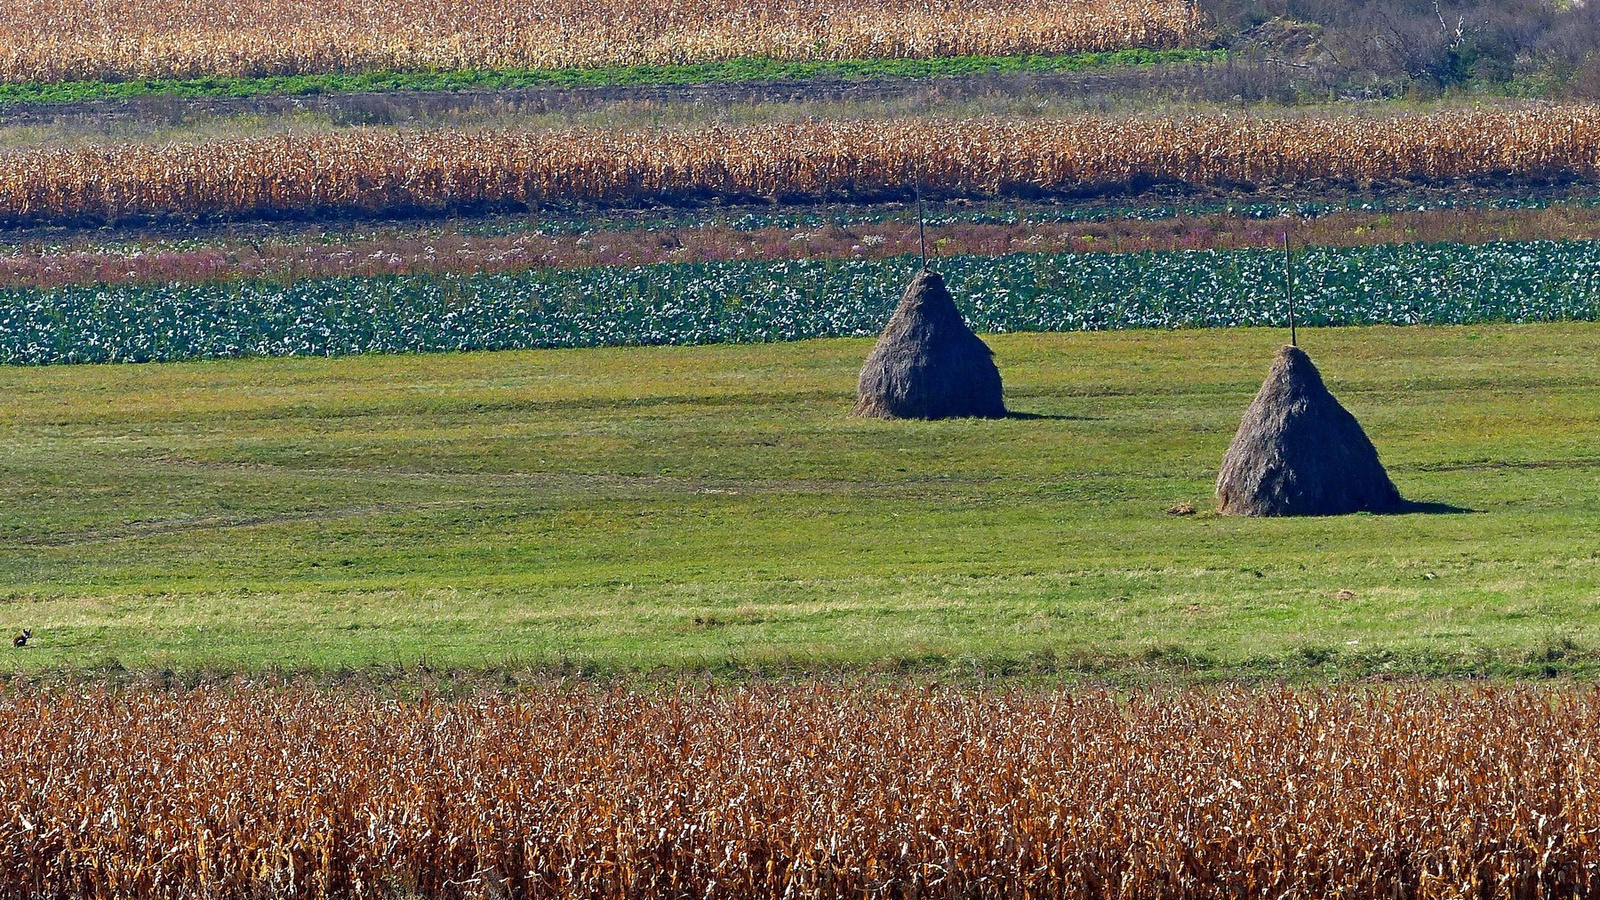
(668,510)
(739,70)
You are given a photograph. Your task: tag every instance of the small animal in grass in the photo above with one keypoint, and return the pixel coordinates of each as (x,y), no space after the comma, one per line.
(21,640)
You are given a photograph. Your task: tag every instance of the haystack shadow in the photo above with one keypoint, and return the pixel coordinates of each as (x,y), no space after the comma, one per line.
(1426,508)
(1050,417)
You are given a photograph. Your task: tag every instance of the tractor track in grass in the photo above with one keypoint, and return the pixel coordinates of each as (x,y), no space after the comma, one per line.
(159,528)
(1499,465)
(627,486)
(537,486)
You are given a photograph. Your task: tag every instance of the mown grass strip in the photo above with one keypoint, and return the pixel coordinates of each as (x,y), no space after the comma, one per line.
(716,509)
(739,70)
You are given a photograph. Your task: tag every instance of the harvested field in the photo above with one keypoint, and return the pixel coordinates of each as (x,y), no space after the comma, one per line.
(785,791)
(514,245)
(373,171)
(47,40)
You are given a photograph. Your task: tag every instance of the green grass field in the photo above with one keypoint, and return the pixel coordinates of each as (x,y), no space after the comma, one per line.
(732,71)
(715,508)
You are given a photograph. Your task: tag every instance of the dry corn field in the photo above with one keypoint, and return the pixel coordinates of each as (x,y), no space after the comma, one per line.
(818,791)
(69,40)
(379,170)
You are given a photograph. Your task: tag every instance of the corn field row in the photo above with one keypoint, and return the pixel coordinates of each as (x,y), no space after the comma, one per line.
(380,170)
(820,791)
(77,40)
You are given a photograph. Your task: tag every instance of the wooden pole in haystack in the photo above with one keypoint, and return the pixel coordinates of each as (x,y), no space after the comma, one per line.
(1288,270)
(922,234)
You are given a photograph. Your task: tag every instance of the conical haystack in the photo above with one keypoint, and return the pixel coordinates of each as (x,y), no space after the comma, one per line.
(1299,453)
(928,364)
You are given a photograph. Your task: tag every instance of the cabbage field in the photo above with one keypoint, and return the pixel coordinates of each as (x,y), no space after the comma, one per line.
(698,303)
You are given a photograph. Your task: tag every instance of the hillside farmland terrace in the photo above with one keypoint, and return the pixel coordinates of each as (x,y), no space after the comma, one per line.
(225,230)
(427,467)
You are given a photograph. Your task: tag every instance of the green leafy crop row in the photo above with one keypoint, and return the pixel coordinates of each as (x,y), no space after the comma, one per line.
(742,70)
(697,303)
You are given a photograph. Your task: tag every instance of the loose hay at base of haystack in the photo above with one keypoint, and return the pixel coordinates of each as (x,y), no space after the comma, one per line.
(928,364)
(1299,452)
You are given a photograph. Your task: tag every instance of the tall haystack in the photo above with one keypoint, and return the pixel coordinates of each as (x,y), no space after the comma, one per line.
(928,364)
(1299,453)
